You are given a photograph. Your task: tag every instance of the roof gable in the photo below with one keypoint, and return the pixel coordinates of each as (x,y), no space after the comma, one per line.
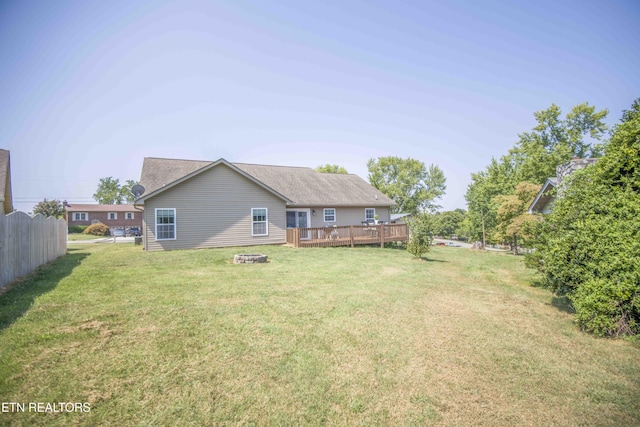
(159,175)
(544,196)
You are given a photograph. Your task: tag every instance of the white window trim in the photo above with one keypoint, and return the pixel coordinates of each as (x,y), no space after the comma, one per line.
(266,222)
(115,215)
(175,223)
(373,218)
(76,216)
(129,215)
(335,214)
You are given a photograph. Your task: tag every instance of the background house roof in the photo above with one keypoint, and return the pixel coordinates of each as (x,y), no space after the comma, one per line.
(397,216)
(303,186)
(544,196)
(99,208)
(5,182)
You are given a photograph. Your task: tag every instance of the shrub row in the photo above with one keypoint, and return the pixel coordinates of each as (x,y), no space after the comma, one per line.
(77,229)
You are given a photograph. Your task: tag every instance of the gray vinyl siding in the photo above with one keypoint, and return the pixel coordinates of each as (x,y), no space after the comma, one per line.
(213,209)
(346,215)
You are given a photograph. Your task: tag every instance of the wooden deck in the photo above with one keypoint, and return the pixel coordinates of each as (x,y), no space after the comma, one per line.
(350,235)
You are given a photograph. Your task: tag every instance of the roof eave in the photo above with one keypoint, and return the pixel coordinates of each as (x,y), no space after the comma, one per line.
(342,205)
(541,193)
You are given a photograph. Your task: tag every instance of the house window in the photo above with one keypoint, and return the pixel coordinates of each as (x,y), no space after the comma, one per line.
(330,215)
(129,215)
(113,215)
(80,216)
(165,224)
(370,214)
(259,226)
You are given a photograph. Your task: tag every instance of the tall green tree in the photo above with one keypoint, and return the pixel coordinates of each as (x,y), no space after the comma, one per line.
(588,248)
(512,214)
(331,169)
(49,208)
(482,215)
(553,141)
(412,185)
(110,192)
(125,191)
(449,222)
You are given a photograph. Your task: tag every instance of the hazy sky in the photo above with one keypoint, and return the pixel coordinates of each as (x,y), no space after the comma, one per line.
(90,88)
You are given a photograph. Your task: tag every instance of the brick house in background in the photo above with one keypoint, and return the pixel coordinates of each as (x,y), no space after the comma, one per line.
(115,216)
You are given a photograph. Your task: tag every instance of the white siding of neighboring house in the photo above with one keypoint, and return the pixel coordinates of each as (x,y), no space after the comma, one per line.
(213,209)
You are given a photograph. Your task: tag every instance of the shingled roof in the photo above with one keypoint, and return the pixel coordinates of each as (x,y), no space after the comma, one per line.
(158,173)
(6,199)
(301,185)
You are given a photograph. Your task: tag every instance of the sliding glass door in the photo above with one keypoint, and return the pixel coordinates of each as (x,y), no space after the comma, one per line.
(298,219)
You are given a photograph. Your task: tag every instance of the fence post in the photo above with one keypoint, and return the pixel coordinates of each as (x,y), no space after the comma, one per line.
(351,235)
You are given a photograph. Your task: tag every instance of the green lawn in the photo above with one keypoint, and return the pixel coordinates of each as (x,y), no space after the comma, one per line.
(333,336)
(73,237)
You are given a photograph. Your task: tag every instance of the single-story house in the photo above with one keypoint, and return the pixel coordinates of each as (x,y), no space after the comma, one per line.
(6,199)
(543,202)
(121,217)
(401,218)
(207,204)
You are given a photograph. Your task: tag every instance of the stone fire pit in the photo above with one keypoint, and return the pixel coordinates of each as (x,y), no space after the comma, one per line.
(249,258)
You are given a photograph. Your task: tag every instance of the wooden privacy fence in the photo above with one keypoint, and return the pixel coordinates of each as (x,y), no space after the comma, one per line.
(26,243)
(349,235)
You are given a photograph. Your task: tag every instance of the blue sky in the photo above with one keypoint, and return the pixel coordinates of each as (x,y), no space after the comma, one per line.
(90,88)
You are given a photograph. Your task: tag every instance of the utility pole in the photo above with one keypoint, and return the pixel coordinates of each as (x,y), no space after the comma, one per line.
(484,242)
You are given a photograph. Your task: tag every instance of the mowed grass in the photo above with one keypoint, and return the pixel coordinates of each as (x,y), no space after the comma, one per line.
(73,237)
(334,336)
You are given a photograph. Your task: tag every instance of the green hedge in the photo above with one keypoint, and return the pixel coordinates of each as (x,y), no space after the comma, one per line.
(73,229)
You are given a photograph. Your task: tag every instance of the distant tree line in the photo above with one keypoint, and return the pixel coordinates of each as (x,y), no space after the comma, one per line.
(499,195)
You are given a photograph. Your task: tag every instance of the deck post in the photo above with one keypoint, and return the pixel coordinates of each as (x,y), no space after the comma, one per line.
(296,237)
(351,235)
(381,234)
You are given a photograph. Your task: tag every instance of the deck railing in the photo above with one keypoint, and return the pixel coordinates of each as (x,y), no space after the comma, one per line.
(348,235)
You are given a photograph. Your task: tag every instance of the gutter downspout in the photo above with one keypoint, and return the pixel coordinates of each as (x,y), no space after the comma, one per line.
(144,234)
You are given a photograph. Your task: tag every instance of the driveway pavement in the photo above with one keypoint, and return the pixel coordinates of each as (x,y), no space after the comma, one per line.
(453,243)
(104,240)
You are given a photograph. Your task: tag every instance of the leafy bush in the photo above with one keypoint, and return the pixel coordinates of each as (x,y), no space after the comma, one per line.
(77,228)
(97,229)
(588,248)
(421,229)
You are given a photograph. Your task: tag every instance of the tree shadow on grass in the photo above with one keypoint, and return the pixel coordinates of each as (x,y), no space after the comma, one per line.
(17,297)
(425,259)
(563,304)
